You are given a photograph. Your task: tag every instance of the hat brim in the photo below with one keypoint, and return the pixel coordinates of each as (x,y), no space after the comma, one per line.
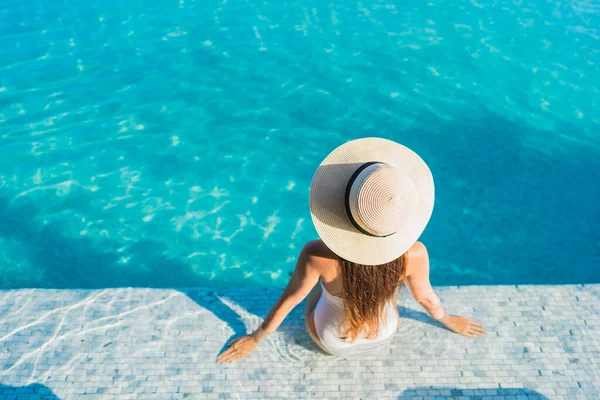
(328,210)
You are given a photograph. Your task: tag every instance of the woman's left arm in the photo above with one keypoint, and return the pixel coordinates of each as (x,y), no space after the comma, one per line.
(305,277)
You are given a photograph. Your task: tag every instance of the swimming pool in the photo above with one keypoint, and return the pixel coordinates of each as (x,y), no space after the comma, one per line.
(172,143)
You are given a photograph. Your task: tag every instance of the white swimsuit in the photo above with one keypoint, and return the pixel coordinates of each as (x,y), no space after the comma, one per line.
(329,317)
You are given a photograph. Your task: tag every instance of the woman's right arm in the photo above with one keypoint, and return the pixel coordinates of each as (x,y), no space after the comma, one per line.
(417,282)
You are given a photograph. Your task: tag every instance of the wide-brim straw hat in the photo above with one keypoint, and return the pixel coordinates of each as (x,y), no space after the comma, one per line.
(371,199)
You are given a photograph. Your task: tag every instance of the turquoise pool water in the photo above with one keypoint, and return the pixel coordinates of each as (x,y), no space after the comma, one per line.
(172,143)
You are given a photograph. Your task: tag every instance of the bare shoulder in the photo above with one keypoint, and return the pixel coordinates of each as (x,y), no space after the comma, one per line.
(316,248)
(318,254)
(416,258)
(417,250)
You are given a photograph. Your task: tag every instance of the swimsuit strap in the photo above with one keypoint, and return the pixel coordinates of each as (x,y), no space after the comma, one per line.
(331,298)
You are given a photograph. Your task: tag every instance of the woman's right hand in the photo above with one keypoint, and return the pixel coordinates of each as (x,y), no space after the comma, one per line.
(237,349)
(463,326)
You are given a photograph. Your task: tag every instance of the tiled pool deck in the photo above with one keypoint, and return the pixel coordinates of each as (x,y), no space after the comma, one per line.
(543,342)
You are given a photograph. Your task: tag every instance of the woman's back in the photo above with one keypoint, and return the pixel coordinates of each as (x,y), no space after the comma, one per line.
(328,264)
(331,314)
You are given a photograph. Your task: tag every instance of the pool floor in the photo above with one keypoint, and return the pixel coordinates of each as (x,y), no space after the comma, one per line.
(542,343)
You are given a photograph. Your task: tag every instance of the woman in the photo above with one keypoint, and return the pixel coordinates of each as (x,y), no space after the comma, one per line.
(370,200)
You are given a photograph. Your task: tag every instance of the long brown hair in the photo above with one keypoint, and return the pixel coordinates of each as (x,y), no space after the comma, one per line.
(367,290)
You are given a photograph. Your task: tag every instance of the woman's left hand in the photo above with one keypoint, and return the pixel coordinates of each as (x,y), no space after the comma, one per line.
(463,326)
(238,348)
